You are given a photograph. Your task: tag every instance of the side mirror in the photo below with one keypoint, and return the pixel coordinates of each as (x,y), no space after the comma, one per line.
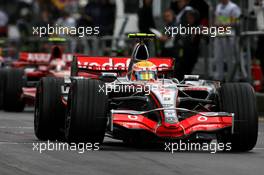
(108,77)
(191,77)
(175,80)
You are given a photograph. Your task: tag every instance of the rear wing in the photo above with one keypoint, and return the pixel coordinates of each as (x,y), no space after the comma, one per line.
(41,58)
(116,64)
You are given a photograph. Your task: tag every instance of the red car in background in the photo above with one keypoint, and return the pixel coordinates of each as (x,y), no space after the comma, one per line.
(18,81)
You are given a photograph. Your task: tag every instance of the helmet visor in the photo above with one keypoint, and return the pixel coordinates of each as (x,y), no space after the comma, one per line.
(146,75)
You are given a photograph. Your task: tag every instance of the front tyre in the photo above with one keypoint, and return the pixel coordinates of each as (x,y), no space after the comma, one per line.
(86,116)
(49,110)
(239,98)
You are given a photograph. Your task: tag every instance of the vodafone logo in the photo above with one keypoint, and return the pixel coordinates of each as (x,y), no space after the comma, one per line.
(42,57)
(202,119)
(132,117)
(104,63)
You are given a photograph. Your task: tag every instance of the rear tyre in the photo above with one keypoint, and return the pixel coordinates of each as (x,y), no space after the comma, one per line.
(239,98)
(86,116)
(2,87)
(49,110)
(13,90)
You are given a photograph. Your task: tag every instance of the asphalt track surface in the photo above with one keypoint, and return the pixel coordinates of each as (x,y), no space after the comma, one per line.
(17,156)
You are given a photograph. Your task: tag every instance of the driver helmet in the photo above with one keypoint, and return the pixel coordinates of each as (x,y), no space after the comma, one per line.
(144,71)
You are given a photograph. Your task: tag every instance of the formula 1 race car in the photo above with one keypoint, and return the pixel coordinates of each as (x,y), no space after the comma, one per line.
(137,100)
(18,81)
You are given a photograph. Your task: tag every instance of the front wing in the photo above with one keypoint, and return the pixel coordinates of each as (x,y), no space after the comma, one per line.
(203,122)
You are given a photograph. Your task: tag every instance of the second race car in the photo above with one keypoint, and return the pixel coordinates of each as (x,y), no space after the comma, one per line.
(18,80)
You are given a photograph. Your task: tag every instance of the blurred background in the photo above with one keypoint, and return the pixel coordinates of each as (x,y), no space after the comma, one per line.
(235,57)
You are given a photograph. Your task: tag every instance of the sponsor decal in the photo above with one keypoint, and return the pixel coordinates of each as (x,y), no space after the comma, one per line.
(202,118)
(41,57)
(105,63)
(132,117)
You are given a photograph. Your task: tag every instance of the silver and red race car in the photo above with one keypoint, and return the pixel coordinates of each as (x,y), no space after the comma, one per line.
(107,96)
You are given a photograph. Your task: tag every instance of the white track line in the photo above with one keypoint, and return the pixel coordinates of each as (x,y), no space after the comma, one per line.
(16,127)
(16,143)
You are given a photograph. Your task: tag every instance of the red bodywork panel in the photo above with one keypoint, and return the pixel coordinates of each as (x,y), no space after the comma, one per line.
(27,58)
(181,129)
(29,92)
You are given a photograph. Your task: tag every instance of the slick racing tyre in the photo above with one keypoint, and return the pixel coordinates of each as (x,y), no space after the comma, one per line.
(49,110)
(2,87)
(86,116)
(13,90)
(239,98)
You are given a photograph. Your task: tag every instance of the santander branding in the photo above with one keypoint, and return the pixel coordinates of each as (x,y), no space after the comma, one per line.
(42,57)
(105,63)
